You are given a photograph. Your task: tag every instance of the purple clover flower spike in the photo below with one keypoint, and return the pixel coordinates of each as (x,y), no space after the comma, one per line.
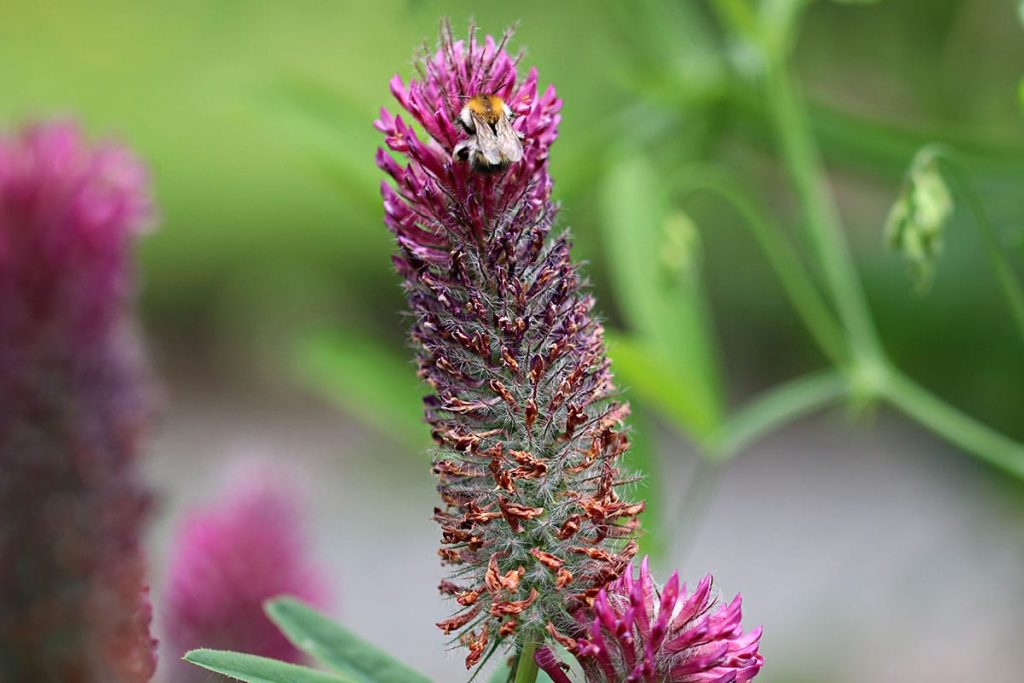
(528,434)
(637,633)
(73,605)
(231,557)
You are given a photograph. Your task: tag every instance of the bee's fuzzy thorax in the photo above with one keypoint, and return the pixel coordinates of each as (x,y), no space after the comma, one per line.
(490,108)
(523,412)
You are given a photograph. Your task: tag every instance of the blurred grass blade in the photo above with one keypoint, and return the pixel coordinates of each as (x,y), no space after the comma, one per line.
(657,286)
(642,460)
(335,647)
(367,381)
(331,129)
(879,145)
(669,45)
(656,384)
(253,669)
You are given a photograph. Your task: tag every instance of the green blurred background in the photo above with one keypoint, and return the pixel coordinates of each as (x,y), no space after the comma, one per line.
(255,118)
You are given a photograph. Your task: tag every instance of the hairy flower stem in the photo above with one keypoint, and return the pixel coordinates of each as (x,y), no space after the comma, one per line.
(526,667)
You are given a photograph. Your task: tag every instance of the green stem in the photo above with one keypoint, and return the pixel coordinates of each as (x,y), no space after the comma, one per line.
(803,162)
(780,405)
(796,281)
(954,426)
(526,667)
(1003,270)
(870,373)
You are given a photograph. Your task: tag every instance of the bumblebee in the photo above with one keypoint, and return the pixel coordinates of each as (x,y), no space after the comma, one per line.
(493,144)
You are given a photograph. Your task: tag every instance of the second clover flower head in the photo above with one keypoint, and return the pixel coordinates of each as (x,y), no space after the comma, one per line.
(528,434)
(73,407)
(229,558)
(638,633)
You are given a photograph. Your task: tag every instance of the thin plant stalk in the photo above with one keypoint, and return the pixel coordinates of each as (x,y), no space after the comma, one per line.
(803,162)
(526,668)
(953,425)
(871,372)
(780,405)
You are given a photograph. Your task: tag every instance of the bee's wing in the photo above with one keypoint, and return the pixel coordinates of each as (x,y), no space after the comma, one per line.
(509,146)
(488,143)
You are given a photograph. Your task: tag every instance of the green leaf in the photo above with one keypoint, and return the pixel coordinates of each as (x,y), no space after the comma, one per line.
(368,381)
(655,382)
(642,459)
(655,271)
(255,669)
(501,675)
(336,647)
(328,127)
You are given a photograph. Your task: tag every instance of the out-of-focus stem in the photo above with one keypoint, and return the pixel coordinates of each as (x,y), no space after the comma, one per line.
(792,275)
(953,425)
(778,406)
(869,373)
(1004,272)
(803,162)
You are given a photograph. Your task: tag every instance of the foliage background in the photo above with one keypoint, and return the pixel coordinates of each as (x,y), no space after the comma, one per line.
(869,551)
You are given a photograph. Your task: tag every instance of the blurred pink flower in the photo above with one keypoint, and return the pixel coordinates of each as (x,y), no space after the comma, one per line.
(640,634)
(73,606)
(228,559)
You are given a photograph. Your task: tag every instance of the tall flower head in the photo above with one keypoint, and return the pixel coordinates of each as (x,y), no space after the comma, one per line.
(638,633)
(228,559)
(527,433)
(72,405)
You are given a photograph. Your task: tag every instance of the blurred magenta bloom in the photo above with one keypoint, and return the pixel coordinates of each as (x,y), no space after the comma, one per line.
(637,633)
(227,559)
(73,606)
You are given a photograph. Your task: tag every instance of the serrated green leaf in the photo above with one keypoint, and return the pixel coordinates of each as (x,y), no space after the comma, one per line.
(335,647)
(366,380)
(655,269)
(253,669)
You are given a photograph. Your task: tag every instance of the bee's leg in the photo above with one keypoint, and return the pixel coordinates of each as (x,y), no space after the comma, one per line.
(464,149)
(466,121)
